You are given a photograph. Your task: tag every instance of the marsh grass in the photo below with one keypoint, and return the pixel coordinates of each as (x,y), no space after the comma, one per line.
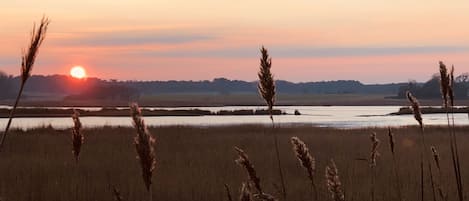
(38,168)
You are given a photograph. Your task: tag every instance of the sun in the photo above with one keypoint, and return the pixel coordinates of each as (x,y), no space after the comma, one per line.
(78,72)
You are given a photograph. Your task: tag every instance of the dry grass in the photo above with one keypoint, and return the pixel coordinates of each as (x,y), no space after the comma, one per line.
(194,163)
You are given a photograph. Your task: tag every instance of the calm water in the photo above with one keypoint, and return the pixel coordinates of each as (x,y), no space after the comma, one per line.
(334,116)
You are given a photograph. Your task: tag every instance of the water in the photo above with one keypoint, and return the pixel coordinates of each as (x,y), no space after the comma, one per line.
(333,116)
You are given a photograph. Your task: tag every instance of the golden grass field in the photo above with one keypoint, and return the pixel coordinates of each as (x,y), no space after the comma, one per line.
(194,163)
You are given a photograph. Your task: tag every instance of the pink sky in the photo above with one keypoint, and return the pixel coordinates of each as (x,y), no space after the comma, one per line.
(370,41)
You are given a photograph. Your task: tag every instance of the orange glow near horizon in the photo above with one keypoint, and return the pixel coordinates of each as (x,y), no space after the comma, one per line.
(78,72)
(373,41)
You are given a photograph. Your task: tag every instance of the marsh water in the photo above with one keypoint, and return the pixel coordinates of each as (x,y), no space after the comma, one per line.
(323,116)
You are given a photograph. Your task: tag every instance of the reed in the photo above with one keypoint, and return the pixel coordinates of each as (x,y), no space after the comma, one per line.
(27,62)
(333,184)
(307,161)
(77,135)
(392,147)
(266,88)
(436,159)
(446,88)
(266,84)
(373,156)
(144,144)
(418,117)
(243,161)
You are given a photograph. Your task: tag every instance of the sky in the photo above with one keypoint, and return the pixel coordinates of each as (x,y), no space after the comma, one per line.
(373,41)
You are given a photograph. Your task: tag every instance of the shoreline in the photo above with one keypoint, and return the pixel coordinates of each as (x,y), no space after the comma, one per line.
(113,112)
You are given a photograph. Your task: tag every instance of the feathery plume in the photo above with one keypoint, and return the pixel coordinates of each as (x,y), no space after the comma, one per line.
(77,136)
(415,108)
(29,55)
(374,149)
(304,157)
(333,182)
(27,62)
(444,83)
(144,144)
(451,87)
(266,84)
(243,161)
(306,160)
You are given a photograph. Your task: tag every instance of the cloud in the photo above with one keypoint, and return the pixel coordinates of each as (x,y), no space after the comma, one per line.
(302,52)
(129,38)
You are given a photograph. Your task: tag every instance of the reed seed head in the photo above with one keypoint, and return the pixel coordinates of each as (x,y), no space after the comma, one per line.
(451,87)
(415,109)
(29,55)
(77,136)
(444,83)
(333,182)
(243,161)
(304,157)
(266,84)
(374,149)
(436,157)
(144,144)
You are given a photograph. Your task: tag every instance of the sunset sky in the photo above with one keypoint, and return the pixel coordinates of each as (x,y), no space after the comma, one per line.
(372,41)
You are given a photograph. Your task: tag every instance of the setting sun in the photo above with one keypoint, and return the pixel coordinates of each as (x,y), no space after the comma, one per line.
(78,72)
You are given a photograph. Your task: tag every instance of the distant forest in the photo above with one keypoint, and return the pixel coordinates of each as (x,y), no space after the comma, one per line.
(94,88)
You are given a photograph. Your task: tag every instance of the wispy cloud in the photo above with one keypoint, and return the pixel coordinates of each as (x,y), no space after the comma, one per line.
(301,52)
(130,38)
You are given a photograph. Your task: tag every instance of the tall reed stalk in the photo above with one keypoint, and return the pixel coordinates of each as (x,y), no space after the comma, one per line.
(392,147)
(373,156)
(144,144)
(77,136)
(266,88)
(307,161)
(418,117)
(447,93)
(27,62)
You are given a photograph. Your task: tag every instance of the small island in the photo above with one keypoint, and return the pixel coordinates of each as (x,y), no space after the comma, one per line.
(431,110)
